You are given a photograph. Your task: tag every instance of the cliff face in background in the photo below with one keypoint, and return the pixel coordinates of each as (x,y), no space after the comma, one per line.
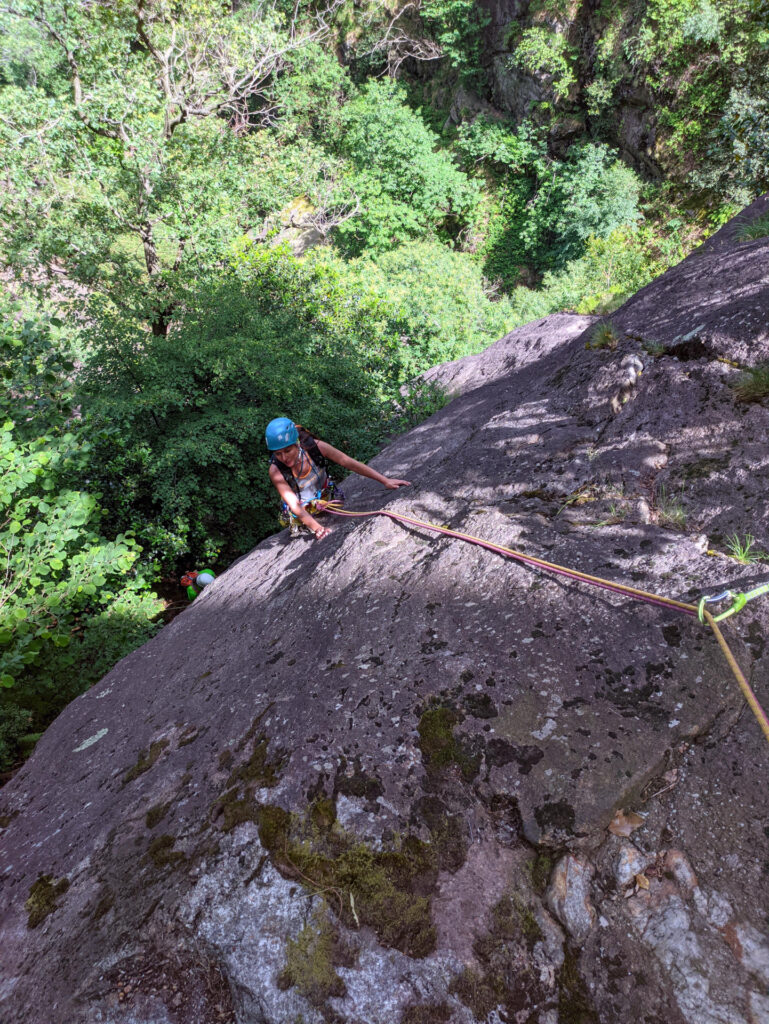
(632,126)
(371,779)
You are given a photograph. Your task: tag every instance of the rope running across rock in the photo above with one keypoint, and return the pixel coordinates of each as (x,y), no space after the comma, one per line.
(595,581)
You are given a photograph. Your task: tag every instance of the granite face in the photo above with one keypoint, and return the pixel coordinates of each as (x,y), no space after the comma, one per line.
(370,779)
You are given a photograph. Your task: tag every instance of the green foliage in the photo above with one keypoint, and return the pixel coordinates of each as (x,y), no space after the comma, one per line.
(743,549)
(457,26)
(703,25)
(606,275)
(605,335)
(669,509)
(758,228)
(705,66)
(310,94)
(437,303)
(406,187)
(135,177)
(545,51)
(310,960)
(548,209)
(752,385)
(409,308)
(71,600)
(417,402)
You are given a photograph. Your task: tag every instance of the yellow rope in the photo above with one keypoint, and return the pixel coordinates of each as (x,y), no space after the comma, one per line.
(747,692)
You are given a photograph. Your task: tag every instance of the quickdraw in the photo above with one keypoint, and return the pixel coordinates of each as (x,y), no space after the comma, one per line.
(738,599)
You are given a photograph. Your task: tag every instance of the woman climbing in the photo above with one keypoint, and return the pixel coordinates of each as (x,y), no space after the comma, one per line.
(299,470)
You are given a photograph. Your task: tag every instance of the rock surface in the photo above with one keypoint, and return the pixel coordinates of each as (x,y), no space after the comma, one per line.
(339,786)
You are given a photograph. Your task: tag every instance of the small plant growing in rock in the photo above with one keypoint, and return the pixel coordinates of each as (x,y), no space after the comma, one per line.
(654,348)
(616,513)
(743,551)
(670,510)
(605,335)
(752,385)
(758,228)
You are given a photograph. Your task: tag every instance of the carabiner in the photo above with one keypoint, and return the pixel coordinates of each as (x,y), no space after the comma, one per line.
(738,602)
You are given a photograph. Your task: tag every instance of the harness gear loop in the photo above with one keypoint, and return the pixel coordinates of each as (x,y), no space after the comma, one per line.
(597,581)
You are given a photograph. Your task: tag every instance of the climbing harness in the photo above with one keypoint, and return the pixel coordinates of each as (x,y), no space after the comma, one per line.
(330,493)
(619,588)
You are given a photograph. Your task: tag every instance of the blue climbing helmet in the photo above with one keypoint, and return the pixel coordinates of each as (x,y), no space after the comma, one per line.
(281,433)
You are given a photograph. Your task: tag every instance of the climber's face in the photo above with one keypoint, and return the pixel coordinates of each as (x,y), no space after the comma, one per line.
(288,456)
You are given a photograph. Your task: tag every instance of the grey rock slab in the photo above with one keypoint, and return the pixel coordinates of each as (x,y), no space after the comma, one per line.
(435,690)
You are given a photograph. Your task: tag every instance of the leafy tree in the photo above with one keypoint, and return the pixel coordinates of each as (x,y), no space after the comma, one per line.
(547,209)
(457,26)
(138,178)
(438,303)
(545,51)
(71,600)
(610,270)
(407,187)
(184,423)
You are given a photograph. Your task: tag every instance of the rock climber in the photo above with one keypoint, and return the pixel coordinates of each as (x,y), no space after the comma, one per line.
(299,471)
(194,580)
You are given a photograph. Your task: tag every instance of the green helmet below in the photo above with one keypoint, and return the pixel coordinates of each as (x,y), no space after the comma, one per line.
(280,433)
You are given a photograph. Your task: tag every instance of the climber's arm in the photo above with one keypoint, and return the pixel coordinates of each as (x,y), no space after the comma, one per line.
(353,466)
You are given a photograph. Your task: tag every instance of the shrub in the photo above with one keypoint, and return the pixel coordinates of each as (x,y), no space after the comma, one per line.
(407,187)
(68,592)
(457,26)
(605,335)
(610,271)
(542,50)
(548,209)
(72,600)
(752,385)
(703,25)
(758,228)
(437,303)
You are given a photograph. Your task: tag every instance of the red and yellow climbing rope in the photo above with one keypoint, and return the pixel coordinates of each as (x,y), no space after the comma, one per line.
(596,581)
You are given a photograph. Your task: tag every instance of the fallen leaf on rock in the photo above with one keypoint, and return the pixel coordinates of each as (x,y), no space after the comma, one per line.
(642,881)
(625,824)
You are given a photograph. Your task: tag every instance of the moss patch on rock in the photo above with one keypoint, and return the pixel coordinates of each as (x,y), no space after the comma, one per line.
(156,814)
(447,831)
(540,868)
(439,745)
(508,976)
(352,780)
(146,760)
(312,958)
(574,1003)
(162,854)
(388,890)
(238,803)
(104,904)
(426,1013)
(259,769)
(43,897)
